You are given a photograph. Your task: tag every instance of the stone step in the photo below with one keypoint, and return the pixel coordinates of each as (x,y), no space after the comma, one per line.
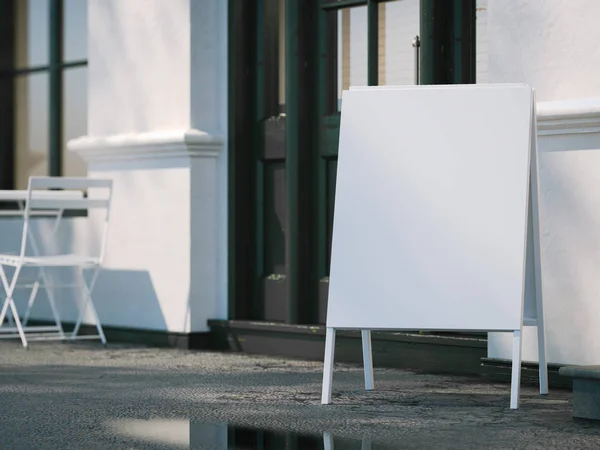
(586,390)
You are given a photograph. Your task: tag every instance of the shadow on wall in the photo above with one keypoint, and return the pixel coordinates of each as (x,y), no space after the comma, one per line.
(127,298)
(123,298)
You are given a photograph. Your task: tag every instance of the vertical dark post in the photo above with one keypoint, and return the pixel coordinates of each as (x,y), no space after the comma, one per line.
(465,40)
(56,87)
(242,55)
(7,94)
(373,42)
(301,124)
(232,241)
(447,41)
(435,23)
(292,69)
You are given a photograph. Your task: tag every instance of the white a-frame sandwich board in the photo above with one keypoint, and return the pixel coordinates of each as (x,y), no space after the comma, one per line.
(436,217)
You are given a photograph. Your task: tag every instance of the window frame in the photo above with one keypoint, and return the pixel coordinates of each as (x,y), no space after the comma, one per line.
(8,75)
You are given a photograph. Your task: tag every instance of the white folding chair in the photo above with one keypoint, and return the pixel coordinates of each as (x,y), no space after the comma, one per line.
(41,275)
(55,195)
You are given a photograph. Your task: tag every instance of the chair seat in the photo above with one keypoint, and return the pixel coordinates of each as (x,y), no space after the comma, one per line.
(49,261)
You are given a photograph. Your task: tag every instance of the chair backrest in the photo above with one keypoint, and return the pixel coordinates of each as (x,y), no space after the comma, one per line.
(70,195)
(57,194)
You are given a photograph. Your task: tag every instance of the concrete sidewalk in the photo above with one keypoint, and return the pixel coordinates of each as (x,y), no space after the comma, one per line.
(82,396)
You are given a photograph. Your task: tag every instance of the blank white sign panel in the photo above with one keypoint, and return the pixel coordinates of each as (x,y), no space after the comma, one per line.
(430,210)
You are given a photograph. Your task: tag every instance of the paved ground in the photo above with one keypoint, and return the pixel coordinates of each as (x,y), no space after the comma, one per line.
(63,396)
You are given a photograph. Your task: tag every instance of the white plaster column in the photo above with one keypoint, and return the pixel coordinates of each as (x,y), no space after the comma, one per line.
(157,125)
(553,47)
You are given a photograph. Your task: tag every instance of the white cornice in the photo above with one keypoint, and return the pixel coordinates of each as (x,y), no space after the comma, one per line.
(569,116)
(141,146)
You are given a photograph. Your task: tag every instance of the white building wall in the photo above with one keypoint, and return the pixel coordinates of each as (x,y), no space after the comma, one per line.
(157,122)
(139,66)
(209,182)
(553,46)
(164,64)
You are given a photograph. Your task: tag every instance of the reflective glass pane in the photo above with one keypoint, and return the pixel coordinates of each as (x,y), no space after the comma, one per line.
(398,26)
(75,30)
(31,127)
(74,117)
(352,48)
(32,27)
(481,42)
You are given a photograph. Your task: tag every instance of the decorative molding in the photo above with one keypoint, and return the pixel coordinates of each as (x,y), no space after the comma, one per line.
(143,146)
(569,117)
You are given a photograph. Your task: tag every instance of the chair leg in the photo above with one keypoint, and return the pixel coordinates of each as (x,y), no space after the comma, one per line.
(18,323)
(4,310)
(87,294)
(32,297)
(52,301)
(9,302)
(6,287)
(43,276)
(7,315)
(9,318)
